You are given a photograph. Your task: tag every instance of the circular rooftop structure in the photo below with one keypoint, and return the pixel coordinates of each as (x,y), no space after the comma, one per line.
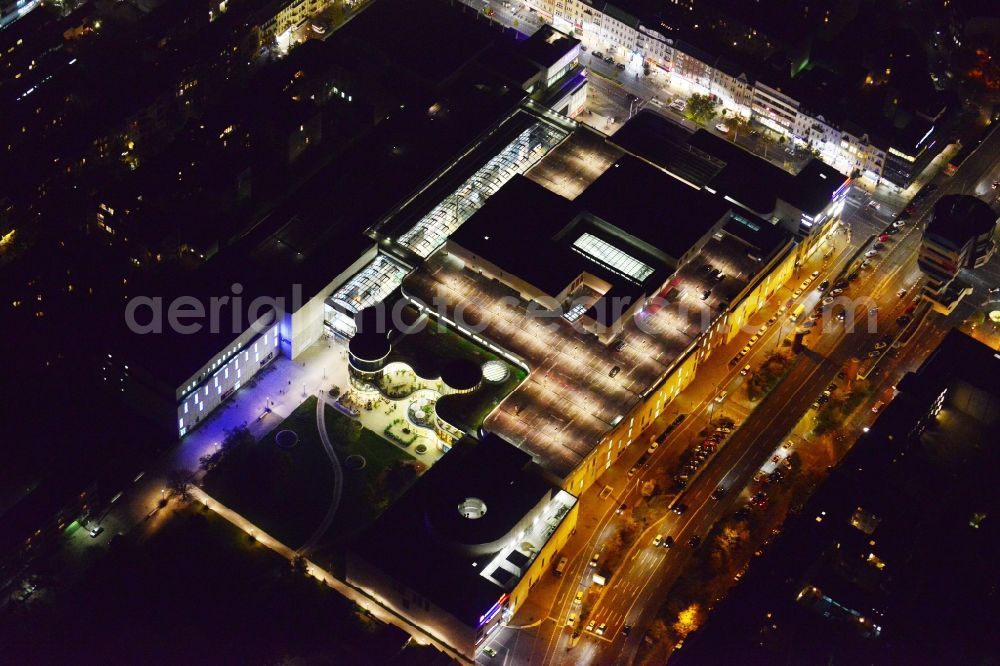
(472,508)
(495,371)
(369,347)
(462,375)
(371,320)
(959,217)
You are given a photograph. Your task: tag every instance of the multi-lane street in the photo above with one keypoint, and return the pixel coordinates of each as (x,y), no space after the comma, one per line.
(636,591)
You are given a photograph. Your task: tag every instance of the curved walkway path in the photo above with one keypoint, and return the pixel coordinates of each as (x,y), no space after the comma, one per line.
(338,477)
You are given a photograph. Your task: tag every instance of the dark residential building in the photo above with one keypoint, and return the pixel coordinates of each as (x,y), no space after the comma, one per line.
(892,561)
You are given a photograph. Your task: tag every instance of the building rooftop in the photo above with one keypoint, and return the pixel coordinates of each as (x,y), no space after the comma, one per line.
(649,204)
(456,536)
(957,218)
(547,46)
(569,400)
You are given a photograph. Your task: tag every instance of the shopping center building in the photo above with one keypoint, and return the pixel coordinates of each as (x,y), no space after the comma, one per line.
(458,553)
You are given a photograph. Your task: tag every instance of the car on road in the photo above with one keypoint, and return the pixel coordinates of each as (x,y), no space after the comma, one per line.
(759,476)
(489,652)
(657,540)
(842,314)
(591,625)
(598,54)
(95,532)
(653,445)
(837,292)
(796,293)
(614,371)
(828,300)
(609,60)
(721,127)
(632,470)
(883,238)
(900,222)
(745,350)
(874,205)
(579,597)
(758,498)
(903,320)
(680,419)
(680,508)
(594,559)
(824,285)
(601,629)
(881,345)
(753,340)
(722,396)
(626,630)
(571,620)
(621,508)
(705,294)
(871,253)
(788,445)
(746,370)
(678,105)
(694,541)
(620,66)
(719,493)
(668,542)
(877,406)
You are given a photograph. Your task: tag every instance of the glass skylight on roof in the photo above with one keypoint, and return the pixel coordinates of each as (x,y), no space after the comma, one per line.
(521,154)
(371,284)
(607,254)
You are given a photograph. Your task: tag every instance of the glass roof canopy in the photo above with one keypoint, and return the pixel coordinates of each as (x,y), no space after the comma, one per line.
(608,255)
(369,286)
(521,154)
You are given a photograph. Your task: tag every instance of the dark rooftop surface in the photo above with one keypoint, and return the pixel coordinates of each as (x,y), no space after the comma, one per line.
(547,46)
(523,210)
(462,374)
(653,206)
(667,144)
(424,542)
(959,217)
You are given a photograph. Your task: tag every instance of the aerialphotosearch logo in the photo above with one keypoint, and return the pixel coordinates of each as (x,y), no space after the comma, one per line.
(188,315)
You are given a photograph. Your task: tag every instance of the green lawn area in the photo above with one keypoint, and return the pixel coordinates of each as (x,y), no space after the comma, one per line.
(284,492)
(388,472)
(433,347)
(198,591)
